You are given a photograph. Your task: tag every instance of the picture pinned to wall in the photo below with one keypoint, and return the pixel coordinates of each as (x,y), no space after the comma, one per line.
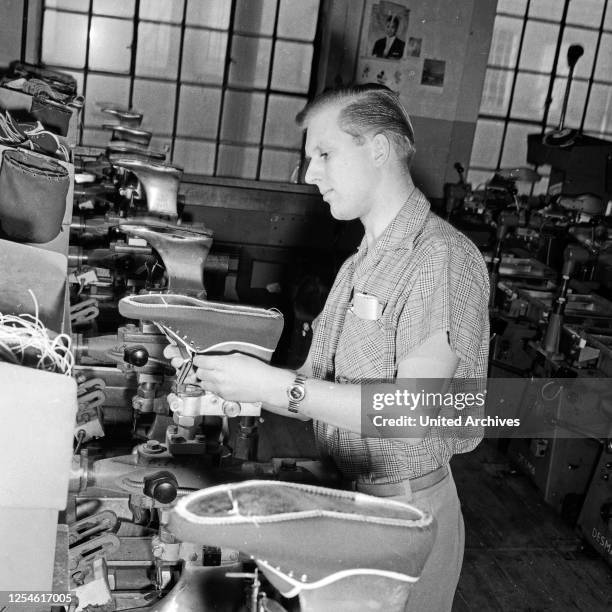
(433,73)
(387,31)
(414,47)
(373,72)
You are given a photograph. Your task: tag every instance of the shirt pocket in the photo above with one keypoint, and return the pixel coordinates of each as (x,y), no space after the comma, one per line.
(366,349)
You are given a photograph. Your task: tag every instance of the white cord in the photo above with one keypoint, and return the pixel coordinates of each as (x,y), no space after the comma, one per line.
(9,134)
(25,340)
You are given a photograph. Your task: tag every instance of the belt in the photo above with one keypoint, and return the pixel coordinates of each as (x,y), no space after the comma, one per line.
(392,489)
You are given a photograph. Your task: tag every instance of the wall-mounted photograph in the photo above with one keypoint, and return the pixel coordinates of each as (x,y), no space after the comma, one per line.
(387,31)
(433,72)
(414,47)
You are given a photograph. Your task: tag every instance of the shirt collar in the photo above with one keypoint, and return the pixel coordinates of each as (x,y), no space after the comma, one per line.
(400,233)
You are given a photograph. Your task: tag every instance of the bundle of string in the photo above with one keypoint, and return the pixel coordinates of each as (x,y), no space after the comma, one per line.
(24,340)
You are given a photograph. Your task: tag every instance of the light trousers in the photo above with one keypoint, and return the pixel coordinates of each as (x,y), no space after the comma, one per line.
(435,590)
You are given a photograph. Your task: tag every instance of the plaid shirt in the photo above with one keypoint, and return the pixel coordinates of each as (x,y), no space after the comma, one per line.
(429,278)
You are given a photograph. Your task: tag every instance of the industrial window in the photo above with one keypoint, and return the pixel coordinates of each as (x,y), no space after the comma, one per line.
(526,78)
(219,82)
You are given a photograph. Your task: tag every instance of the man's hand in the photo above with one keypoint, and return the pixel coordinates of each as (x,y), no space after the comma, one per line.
(237,377)
(172,352)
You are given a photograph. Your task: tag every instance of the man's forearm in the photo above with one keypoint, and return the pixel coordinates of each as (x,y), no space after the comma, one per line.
(339,405)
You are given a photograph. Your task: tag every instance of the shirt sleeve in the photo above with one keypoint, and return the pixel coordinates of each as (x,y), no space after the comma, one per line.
(426,308)
(450,294)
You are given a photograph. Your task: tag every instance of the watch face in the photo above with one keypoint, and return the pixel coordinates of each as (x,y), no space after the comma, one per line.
(296,393)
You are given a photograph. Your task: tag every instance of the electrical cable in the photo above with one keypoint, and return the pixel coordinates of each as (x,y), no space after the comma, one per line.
(24,340)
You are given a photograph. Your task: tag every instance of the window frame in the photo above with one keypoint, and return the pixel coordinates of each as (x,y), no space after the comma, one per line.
(268,91)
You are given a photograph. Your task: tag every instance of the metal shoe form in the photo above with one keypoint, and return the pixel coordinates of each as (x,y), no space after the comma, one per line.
(338,550)
(120,149)
(129,134)
(128,117)
(160,182)
(183,251)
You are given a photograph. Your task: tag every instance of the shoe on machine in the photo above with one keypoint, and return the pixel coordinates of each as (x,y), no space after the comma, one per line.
(339,550)
(209,326)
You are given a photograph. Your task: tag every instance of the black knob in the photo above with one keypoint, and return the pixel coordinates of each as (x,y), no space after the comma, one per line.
(136,355)
(574,53)
(161,486)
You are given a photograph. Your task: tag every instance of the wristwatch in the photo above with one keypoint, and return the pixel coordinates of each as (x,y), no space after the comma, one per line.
(296,392)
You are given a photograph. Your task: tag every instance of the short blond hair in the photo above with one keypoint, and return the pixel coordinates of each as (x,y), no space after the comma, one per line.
(365,109)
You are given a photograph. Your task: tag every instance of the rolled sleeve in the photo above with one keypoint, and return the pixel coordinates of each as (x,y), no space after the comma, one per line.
(450,294)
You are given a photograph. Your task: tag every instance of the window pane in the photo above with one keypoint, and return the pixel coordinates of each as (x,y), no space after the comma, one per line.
(104,55)
(117,8)
(539,46)
(530,96)
(608,19)
(104,91)
(505,42)
(237,161)
(250,61)
(281,129)
(496,92)
(204,56)
(292,65)
(194,156)
(278,165)
(162,10)
(156,100)
(57,48)
(546,9)
(584,65)
(599,113)
(298,19)
(242,116)
(71,5)
(198,111)
(255,16)
(158,49)
(585,12)
(603,71)
(515,145)
(515,7)
(487,142)
(212,13)
(575,103)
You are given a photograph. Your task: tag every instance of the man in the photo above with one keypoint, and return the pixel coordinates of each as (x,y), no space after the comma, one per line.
(390,46)
(412,303)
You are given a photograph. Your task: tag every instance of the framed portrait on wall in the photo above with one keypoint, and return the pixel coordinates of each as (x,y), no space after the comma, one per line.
(387,31)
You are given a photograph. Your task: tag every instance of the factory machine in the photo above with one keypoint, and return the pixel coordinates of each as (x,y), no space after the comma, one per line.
(551,314)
